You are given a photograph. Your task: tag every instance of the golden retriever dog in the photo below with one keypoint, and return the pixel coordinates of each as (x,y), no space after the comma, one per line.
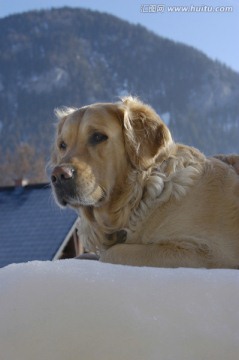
(143,199)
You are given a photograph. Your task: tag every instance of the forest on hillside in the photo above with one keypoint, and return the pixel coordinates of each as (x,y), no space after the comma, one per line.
(22,165)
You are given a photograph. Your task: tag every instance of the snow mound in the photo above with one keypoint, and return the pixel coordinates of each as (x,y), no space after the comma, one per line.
(77,309)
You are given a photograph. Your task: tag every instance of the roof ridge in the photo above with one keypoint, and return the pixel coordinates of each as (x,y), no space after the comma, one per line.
(27,187)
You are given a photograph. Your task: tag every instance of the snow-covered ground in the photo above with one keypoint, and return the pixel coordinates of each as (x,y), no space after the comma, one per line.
(78,309)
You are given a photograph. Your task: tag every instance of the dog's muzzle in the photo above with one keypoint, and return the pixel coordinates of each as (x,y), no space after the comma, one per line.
(63,181)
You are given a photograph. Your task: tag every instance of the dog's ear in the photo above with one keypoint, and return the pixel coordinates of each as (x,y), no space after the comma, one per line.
(146,136)
(61,115)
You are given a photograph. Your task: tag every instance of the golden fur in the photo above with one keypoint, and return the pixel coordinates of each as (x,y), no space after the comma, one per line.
(143,199)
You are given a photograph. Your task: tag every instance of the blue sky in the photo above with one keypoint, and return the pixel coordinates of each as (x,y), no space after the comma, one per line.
(215,33)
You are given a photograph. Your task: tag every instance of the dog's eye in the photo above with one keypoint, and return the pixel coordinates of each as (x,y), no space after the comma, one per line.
(97,138)
(62,145)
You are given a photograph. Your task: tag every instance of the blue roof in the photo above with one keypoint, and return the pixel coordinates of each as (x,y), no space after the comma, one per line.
(32,226)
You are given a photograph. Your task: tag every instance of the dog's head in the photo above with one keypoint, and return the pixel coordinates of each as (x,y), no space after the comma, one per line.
(97,147)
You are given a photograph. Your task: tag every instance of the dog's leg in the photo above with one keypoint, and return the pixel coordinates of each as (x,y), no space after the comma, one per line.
(87,256)
(158,255)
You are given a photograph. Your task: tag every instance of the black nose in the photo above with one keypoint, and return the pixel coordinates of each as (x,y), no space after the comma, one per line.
(60,174)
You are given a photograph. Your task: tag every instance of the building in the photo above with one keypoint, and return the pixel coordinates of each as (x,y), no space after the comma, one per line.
(33,227)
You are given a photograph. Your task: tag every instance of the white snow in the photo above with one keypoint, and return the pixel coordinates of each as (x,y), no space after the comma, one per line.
(46,81)
(166,118)
(77,309)
(124,90)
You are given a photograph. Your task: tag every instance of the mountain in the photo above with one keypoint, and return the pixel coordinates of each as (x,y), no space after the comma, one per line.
(73,57)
